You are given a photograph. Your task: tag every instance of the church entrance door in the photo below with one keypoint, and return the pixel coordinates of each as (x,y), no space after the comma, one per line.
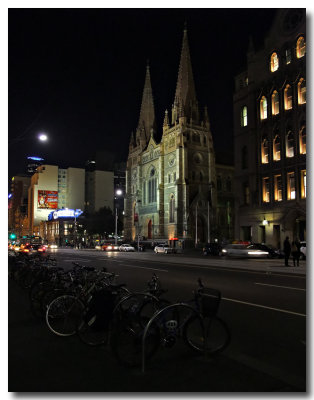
(149,229)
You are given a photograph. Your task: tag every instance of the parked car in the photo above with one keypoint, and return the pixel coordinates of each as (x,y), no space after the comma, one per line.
(126,247)
(242,250)
(163,248)
(213,249)
(110,247)
(303,250)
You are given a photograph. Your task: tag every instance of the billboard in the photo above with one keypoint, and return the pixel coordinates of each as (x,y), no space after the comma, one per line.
(47,199)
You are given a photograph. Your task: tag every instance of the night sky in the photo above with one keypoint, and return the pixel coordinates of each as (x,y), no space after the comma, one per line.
(78,74)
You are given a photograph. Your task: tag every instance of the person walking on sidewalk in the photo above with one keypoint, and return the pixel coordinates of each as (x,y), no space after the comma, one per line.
(295,251)
(287,250)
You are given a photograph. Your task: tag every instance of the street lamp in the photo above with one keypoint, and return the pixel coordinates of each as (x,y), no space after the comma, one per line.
(42,137)
(118,193)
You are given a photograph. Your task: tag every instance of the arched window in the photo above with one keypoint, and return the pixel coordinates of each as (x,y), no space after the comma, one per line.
(288,97)
(265,151)
(275,103)
(300,49)
(263,108)
(276,148)
(301,91)
(274,62)
(152,187)
(244,157)
(289,145)
(302,140)
(171,209)
(244,116)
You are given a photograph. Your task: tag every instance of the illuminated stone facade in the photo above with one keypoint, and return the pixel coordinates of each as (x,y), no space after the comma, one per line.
(171,185)
(270,135)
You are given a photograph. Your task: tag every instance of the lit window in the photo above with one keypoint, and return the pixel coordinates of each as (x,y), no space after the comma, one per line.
(301,91)
(278,188)
(244,116)
(288,97)
(303,140)
(274,62)
(290,186)
(276,148)
(266,196)
(300,47)
(288,56)
(275,103)
(265,151)
(171,209)
(289,145)
(263,108)
(303,184)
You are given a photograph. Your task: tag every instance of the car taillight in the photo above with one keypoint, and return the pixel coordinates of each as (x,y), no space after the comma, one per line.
(26,251)
(40,250)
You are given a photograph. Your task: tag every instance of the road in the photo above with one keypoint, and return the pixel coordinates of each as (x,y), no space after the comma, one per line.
(263,304)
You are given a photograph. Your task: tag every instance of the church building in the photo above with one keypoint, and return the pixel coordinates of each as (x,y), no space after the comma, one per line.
(171,187)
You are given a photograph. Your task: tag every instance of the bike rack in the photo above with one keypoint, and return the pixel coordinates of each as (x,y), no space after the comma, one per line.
(157,313)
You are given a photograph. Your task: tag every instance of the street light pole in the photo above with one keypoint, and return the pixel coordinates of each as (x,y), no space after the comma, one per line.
(118,193)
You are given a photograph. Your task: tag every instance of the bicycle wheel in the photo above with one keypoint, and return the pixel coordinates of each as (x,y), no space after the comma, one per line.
(90,331)
(63,314)
(209,335)
(126,344)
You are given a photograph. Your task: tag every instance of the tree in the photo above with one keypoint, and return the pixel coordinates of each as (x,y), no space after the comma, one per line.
(101,222)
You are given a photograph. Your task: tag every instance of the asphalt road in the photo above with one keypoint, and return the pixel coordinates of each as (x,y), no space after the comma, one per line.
(264,309)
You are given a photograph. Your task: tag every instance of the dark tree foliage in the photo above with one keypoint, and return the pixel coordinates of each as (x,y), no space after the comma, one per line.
(101,222)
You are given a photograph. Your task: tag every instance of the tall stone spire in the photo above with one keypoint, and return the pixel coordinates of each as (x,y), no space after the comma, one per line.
(185,98)
(147,114)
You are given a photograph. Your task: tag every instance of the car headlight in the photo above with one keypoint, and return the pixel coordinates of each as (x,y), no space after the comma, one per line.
(224,251)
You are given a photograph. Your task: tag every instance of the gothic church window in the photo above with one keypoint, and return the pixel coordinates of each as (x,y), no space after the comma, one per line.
(300,50)
(288,97)
(152,187)
(171,208)
(276,149)
(289,145)
(244,116)
(301,91)
(265,151)
(274,62)
(263,108)
(275,103)
(302,140)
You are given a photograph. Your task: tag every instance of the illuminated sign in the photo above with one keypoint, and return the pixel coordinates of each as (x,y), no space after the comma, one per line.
(64,213)
(47,199)
(35,158)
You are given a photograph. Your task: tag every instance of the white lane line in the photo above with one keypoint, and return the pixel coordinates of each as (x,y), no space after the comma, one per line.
(268,308)
(135,266)
(278,286)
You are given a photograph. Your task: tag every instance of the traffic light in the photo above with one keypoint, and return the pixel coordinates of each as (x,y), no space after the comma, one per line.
(12,236)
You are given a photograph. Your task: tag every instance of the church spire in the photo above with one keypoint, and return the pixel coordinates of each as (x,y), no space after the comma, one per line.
(185,97)
(147,114)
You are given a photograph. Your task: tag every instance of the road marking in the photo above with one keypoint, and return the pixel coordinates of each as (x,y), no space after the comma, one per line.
(283,287)
(261,306)
(135,266)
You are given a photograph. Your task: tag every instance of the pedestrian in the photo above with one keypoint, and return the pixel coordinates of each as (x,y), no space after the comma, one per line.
(295,251)
(287,250)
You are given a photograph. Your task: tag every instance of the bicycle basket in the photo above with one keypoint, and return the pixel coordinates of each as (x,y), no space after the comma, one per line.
(209,301)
